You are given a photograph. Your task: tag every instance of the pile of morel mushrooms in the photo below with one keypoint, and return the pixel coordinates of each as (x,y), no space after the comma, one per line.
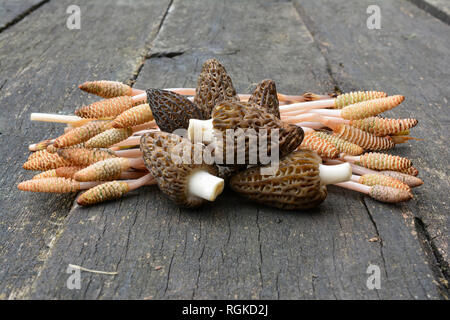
(279,150)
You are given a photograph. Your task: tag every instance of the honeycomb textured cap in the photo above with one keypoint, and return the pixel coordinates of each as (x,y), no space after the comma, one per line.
(295,185)
(170,165)
(213,86)
(265,96)
(171,110)
(241,115)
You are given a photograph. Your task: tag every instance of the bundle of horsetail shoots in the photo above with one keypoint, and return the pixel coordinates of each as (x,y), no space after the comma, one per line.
(112,89)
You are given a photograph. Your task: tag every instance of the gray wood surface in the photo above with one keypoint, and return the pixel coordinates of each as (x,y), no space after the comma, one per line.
(232,248)
(12,11)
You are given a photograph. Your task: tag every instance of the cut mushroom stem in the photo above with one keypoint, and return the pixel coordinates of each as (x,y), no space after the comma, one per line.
(205,185)
(201,130)
(335,174)
(377,192)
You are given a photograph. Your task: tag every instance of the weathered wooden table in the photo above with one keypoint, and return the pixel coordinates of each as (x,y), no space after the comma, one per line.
(231,248)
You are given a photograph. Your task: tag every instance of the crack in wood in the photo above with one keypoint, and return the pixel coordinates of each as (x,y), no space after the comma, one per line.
(22,15)
(431,9)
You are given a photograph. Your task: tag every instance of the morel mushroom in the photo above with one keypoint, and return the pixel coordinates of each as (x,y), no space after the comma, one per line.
(298,183)
(213,86)
(265,96)
(187,180)
(172,111)
(241,115)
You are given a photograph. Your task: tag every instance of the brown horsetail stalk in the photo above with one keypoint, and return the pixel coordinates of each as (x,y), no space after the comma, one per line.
(111,89)
(113,190)
(382,180)
(377,192)
(380,161)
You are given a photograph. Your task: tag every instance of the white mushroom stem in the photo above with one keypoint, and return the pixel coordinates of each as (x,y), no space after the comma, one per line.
(201,130)
(205,185)
(335,174)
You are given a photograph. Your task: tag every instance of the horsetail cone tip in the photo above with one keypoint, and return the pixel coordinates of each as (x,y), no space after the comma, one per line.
(363,139)
(324,148)
(346,99)
(107,108)
(389,194)
(411,171)
(213,86)
(187,184)
(379,179)
(383,161)
(45,161)
(171,110)
(370,108)
(341,145)
(265,96)
(106,89)
(296,184)
(103,192)
(108,169)
(134,116)
(46,174)
(81,134)
(382,127)
(108,138)
(85,157)
(409,180)
(50,185)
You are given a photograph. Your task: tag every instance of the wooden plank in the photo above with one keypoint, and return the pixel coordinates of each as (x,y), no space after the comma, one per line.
(40,73)
(407,56)
(13,11)
(233,248)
